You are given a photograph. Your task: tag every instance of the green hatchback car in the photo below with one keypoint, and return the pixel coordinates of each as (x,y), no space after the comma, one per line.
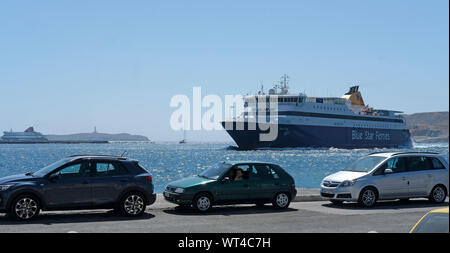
(234,183)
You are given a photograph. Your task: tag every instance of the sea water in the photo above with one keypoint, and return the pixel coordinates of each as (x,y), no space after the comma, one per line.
(172,161)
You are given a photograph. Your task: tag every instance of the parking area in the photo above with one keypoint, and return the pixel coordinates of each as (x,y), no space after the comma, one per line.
(305,217)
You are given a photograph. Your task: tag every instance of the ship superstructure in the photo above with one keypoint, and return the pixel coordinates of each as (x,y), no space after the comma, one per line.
(302,121)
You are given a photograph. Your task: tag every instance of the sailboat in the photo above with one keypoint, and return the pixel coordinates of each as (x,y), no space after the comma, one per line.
(183,141)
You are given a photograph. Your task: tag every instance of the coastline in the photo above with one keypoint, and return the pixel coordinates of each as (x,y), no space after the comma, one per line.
(53,142)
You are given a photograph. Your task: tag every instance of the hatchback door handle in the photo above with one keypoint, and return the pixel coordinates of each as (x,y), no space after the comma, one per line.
(124,180)
(276,183)
(246,185)
(85,182)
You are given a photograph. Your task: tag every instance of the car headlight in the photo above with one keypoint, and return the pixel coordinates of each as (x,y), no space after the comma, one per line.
(5,187)
(179,190)
(347,183)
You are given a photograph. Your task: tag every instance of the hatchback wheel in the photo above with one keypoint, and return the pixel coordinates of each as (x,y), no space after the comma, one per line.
(438,194)
(133,204)
(367,197)
(281,200)
(25,207)
(203,202)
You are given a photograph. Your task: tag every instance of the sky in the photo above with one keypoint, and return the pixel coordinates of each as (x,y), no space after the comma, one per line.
(69,66)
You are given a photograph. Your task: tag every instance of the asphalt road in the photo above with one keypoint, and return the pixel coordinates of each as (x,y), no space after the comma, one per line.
(163,217)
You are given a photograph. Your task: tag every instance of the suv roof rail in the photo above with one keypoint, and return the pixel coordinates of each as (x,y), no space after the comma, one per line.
(91,155)
(402,153)
(99,155)
(379,152)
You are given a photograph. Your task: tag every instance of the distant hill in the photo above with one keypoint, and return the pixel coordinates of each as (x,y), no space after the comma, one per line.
(428,126)
(97,137)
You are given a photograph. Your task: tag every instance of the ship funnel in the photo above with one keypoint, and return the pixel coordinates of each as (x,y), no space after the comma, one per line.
(29,130)
(354,96)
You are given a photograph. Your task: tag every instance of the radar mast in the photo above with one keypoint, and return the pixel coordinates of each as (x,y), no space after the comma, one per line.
(284,84)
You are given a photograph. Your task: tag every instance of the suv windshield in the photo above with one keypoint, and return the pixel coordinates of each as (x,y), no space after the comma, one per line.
(47,169)
(364,164)
(216,171)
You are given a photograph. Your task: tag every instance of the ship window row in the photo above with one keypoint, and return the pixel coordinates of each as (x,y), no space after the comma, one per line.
(371,126)
(274,99)
(290,100)
(322,107)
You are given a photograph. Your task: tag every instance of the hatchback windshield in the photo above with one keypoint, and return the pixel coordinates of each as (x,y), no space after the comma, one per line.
(47,169)
(365,164)
(216,171)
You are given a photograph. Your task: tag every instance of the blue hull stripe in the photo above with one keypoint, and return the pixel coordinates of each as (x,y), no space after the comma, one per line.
(335,116)
(323,136)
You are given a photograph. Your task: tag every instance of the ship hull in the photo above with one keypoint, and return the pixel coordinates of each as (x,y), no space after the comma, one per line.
(293,136)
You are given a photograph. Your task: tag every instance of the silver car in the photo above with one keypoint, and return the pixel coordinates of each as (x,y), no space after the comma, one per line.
(382,176)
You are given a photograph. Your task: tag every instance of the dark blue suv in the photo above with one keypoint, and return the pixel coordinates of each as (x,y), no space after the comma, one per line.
(79,182)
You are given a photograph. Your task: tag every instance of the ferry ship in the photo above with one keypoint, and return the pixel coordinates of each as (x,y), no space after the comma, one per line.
(302,121)
(29,135)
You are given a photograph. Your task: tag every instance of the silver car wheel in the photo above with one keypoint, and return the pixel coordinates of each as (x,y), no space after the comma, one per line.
(368,197)
(133,205)
(26,208)
(203,203)
(438,194)
(282,200)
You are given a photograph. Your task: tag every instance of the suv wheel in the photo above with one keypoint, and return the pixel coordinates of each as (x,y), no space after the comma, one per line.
(133,204)
(202,202)
(367,197)
(25,207)
(438,194)
(281,201)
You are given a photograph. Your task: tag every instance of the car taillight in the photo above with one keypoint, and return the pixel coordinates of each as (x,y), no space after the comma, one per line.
(293,186)
(148,178)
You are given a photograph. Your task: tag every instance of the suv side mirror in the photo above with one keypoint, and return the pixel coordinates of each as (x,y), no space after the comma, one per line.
(53,177)
(388,171)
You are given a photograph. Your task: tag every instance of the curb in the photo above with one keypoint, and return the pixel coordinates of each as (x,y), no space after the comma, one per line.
(308,194)
(303,195)
(298,198)
(308,198)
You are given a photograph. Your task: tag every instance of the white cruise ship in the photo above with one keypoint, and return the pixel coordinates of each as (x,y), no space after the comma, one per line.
(29,135)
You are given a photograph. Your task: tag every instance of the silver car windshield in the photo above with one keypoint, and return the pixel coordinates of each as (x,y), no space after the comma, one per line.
(216,171)
(47,169)
(365,164)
